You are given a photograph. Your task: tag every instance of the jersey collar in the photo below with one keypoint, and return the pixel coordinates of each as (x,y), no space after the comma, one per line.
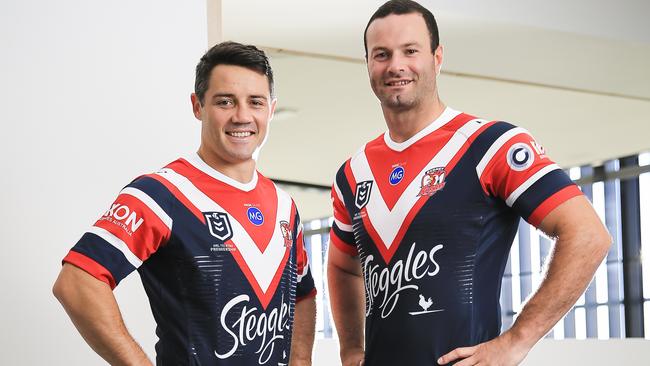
(201,165)
(447,115)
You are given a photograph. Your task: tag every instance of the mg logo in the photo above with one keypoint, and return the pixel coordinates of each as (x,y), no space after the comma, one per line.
(396,175)
(363,194)
(255,216)
(219,225)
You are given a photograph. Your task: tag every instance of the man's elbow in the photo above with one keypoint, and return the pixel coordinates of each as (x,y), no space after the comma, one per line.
(601,241)
(60,288)
(605,241)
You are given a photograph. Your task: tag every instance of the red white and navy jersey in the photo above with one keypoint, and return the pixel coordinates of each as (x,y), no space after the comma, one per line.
(432,220)
(222,262)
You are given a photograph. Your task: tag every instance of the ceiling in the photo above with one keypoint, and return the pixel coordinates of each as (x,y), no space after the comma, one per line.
(574,73)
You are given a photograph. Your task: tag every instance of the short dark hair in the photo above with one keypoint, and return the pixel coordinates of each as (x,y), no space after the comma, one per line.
(230,53)
(400,7)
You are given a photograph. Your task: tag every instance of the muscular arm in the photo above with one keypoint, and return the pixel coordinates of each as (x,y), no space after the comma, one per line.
(347,302)
(304,327)
(92,307)
(582,243)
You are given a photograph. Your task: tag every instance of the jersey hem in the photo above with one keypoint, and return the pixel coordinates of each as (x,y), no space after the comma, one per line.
(346,248)
(91,267)
(552,202)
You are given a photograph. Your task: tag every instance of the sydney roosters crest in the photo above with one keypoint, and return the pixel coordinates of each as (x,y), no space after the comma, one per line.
(286,233)
(432,181)
(362,195)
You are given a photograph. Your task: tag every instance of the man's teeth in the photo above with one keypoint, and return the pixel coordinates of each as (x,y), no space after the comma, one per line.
(240,134)
(399,83)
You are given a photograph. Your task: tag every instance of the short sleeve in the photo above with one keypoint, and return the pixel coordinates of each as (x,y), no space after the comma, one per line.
(135,225)
(516,169)
(305,282)
(341,234)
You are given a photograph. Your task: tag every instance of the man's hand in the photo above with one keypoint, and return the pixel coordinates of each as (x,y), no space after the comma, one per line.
(501,351)
(353,358)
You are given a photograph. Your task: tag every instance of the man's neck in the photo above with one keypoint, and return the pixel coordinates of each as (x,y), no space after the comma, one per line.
(240,172)
(402,125)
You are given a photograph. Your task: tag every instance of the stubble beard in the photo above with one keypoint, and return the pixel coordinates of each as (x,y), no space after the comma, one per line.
(399,102)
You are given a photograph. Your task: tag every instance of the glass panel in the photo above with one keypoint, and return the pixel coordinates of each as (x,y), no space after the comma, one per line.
(581,323)
(603,322)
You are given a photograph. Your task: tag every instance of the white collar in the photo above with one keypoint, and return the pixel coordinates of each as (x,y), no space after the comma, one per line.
(201,165)
(447,115)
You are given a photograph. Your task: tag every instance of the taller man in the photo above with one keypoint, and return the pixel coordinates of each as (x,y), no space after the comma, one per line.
(218,246)
(425,215)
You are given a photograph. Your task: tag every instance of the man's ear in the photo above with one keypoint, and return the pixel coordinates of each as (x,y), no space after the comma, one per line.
(438,58)
(196,106)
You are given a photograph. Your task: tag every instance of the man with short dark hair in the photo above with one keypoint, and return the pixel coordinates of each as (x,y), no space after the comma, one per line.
(218,246)
(425,214)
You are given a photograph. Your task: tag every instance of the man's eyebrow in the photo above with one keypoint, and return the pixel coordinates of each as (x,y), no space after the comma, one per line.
(218,95)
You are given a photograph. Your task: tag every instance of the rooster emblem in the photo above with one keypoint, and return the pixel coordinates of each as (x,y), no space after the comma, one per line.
(425,304)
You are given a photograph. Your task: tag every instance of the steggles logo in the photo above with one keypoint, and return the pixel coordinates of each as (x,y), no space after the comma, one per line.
(386,285)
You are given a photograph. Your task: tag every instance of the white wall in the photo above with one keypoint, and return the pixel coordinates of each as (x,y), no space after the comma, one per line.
(93,94)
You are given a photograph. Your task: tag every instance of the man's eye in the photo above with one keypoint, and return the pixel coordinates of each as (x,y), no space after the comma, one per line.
(224,102)
(257,103)
(411,51)
(380,55)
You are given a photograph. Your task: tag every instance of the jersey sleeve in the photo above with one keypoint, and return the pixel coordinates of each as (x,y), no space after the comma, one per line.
(135,225)
(516,169)
(341,235)
(305,287)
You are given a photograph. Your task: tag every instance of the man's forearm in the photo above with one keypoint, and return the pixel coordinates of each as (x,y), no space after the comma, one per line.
(577,254)
(347,303)
(95,313)
(304,327)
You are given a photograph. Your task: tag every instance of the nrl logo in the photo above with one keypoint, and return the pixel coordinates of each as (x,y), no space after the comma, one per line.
(432,181)
(286,233)
(219,225)
(363,194)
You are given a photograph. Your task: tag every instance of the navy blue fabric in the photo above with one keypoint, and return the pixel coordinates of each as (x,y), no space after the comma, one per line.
(102,252)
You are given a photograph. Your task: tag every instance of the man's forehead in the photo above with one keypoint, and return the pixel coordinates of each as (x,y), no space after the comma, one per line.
(397,30)
(238,80)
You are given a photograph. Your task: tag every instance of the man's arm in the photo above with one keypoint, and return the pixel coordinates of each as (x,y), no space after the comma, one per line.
(304,327)
(347,301)
(92,308)
(582,243)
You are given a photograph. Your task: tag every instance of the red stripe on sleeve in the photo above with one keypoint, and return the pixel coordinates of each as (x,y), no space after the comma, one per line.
(341,245)
(311,293)
(149,234)
(340,213)
(89,265)
(552,202)
(499,179)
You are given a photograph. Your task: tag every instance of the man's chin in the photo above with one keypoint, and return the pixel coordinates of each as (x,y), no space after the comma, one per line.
(398,102)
